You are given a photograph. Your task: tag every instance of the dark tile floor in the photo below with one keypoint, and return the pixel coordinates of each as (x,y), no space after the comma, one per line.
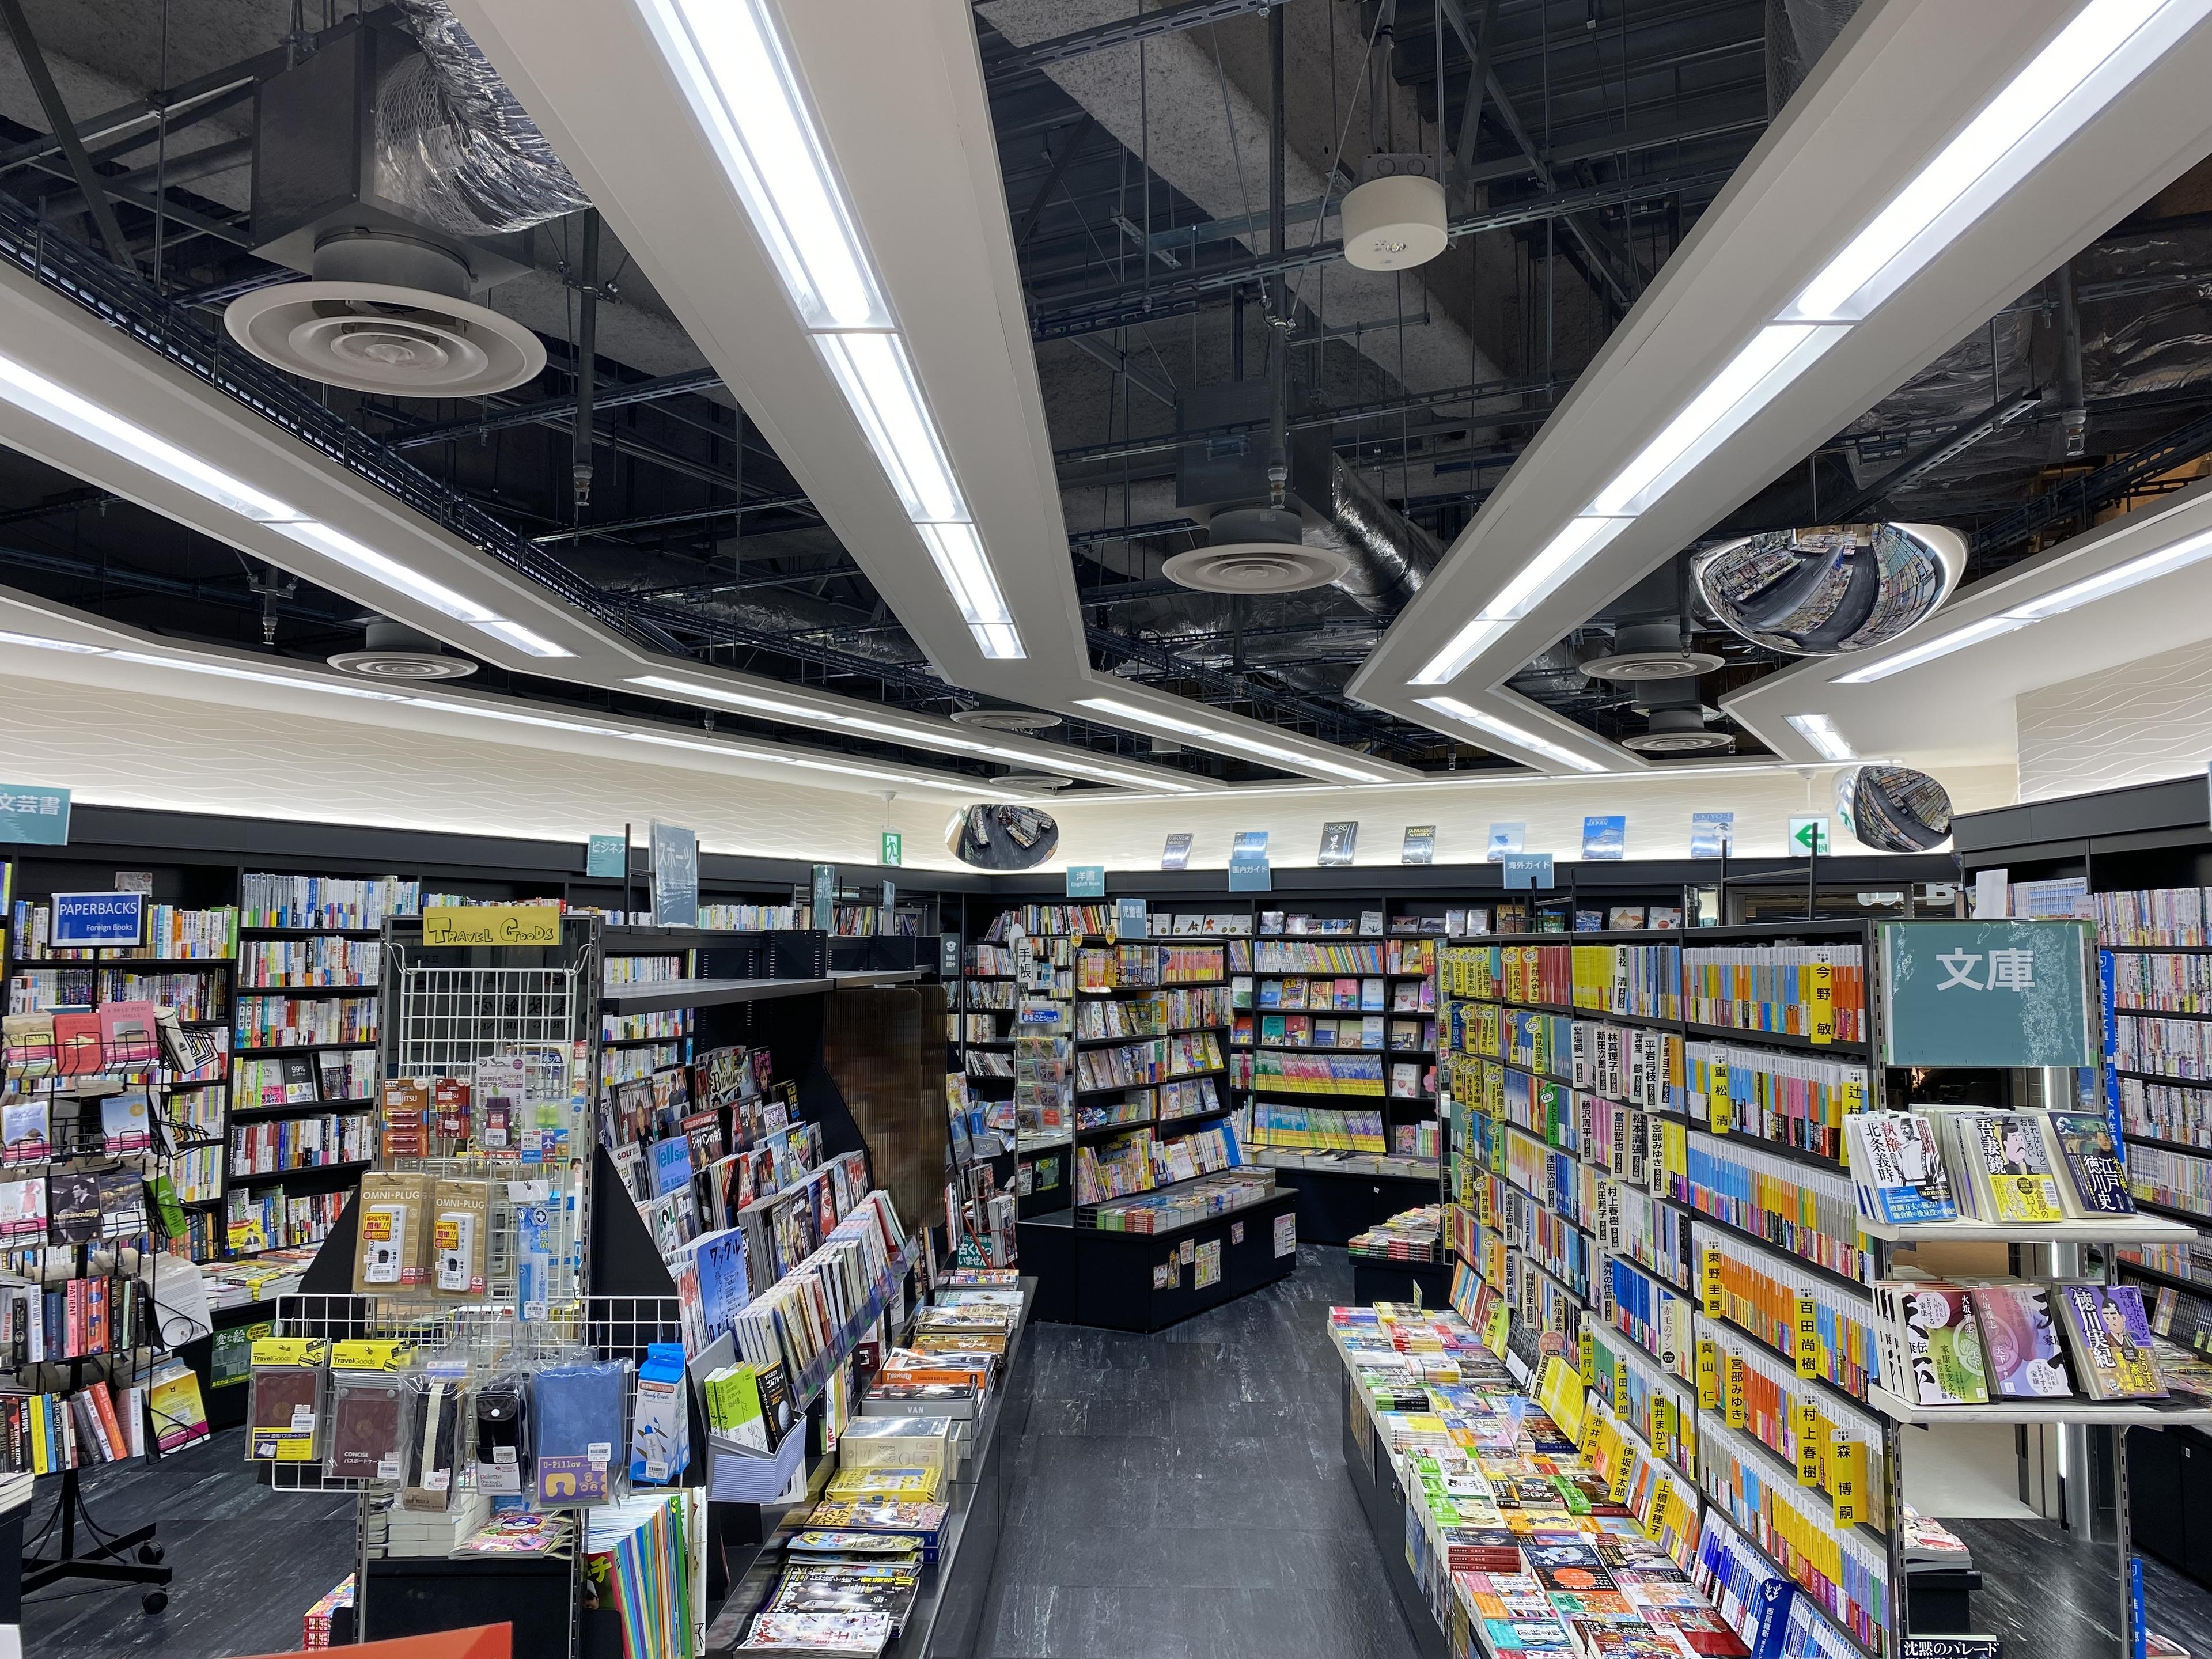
(248,1561)
(1171,1495)
(1184,1494)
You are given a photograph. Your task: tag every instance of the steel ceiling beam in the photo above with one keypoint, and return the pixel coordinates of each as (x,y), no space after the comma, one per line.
(1945,449)
(2082,495)
(65,133)
(659,520)
(563,410)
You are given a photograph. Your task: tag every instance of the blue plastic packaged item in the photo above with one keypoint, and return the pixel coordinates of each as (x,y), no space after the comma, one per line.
(579,1413)
(660,1431)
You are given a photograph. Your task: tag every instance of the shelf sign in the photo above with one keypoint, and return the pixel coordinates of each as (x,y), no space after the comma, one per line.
(1847,1469)
(1528,870)
(607,855)
(894,850)
(1990,993)
(31,815)
(1130,920)
(491,924)
(675,876)
(81,919)
(1249,873)
(825,897)
(1086,881)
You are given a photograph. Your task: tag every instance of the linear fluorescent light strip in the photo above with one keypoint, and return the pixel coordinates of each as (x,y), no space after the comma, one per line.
(2107,45)
(1297,759)
(480,711)
(805,714)
(729,57)
(2190,550)
(1820,732)
(55,404)
(1453,708)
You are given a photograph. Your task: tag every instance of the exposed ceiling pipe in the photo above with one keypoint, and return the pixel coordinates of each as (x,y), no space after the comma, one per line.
(1391,556)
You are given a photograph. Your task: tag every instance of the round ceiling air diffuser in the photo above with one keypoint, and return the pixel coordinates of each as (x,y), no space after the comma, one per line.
(1650,651)
(392,651)
(1679,731)
(1005,720)
(394,342)
(1033,781)
(1255,549)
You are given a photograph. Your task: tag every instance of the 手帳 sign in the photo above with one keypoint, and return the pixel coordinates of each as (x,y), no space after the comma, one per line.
(491,924)
(2010,993)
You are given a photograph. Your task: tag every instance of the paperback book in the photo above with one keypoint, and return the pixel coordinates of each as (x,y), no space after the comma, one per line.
(2110,1336)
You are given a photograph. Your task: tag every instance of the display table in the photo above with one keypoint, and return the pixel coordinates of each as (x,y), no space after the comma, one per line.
(1148,1281)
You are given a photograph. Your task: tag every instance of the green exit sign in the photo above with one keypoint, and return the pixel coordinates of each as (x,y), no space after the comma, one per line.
(894,847)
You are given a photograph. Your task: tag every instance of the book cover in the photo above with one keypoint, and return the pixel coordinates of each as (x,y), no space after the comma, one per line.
(2110,1336)
(1943,1345)
(73,1200)
(1899,1160)
(2027,1355)
(2082,1151)
(2012,1158)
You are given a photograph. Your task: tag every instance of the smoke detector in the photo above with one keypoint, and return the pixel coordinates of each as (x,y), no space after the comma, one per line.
(1650,651)
(1005,720)
(1394,218)
(1033,781)
(1255,549)
(386,315)
(392,651)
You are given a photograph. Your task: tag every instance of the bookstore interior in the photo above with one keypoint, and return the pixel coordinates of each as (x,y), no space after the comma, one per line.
(1552,1000)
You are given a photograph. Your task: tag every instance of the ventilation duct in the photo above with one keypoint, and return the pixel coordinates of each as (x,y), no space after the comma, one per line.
(401,175)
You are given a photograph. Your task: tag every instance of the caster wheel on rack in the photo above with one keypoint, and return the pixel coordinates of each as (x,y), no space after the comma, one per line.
(156,1600)
(151,1554)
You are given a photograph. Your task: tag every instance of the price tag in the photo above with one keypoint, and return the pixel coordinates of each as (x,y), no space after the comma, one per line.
(1823,1003)
(1720,1108)
(1808,1337)
(1738,1403)
(1709,1375)
(1847,1479)
(1812,1431)
(1588,1343)
(1716,1293)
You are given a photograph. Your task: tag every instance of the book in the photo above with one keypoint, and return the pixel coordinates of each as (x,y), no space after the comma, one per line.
(1897,1167)
(2092,1181)
(2110,1339)
(1934,1339)
(2027,1355)
(775,1632)
(2010,1164)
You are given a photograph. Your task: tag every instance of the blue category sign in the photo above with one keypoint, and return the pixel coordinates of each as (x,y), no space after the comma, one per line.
(1530,869)
(31,815)
(99,918)
(1249,873)
(1086,881)
(675,876)
(1130,919)
(824,907)
(1987,993)
(606,855)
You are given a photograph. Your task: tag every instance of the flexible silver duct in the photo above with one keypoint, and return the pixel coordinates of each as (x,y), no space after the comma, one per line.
(1391,556)
(453,143)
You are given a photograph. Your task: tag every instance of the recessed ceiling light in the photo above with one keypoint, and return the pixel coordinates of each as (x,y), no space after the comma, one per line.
(1453,708)
(1294,759)
(1820,732)
(522,639)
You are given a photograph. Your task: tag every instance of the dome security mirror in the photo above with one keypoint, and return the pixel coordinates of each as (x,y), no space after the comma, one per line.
(1002,837)
(1832,590)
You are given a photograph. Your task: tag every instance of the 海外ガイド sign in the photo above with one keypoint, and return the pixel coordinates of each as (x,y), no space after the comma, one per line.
(1997,993)
(33,815)
(1530,869)
(81,919)
(1086,881)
